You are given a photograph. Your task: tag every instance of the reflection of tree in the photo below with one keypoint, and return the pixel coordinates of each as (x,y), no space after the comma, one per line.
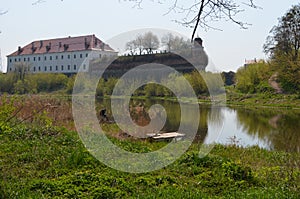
(278,128)
(139,114)
(255,122)
(287,135)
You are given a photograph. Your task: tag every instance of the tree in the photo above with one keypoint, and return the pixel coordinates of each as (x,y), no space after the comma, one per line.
(285,37)
(175,43)
(21,69)
(150,42)
(254,78)
(135,45)
(283,46)
(200,13)
(131,47)
(168,40)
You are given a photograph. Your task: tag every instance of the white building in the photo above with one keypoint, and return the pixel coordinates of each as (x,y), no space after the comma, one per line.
(61,55)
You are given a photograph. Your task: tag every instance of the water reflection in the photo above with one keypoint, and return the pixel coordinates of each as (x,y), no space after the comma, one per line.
(280,129)
(273,129)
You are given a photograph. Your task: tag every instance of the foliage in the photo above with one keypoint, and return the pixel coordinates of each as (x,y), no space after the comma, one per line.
(283,45)
(39,160)
(285,36)
(7,82)
(288,73)
(33,83)
(171,85)
(254,78)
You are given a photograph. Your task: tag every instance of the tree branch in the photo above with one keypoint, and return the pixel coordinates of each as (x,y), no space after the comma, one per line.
(198,19)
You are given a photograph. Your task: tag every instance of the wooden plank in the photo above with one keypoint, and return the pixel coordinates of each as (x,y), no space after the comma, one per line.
(165,136)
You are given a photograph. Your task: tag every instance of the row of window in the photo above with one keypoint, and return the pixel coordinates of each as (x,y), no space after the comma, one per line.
(45,58)
(50,68)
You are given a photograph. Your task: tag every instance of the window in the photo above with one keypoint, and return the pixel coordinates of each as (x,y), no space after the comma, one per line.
(28,59)
(69,67)
(56,57)
(33,58)
(74,56)
(24,59)
(100,56)
(10,69)
(45,58)
(50,57)
(39,58)
(62,57)
(62,67)
(69,56)
(15,59)
(33,68)
(50,68)
(19,59)
(45,68)
(56,68)
(86,55)
(10,60)
(84,67)
(75,67)
(39,68)
(80,55)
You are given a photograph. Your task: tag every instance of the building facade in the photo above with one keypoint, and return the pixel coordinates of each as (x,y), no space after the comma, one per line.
(61,55)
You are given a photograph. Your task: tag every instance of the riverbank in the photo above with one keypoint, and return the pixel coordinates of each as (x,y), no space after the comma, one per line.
(53,163)
(262,99)
(42,159)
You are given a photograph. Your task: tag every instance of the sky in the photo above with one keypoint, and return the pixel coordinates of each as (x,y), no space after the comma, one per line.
(27,21)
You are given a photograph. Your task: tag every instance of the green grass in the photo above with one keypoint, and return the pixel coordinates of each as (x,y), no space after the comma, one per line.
(262,99)
(52,162)
(39,160)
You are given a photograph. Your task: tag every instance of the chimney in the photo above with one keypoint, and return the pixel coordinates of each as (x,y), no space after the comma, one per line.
(59,45)
(102,46)
(86,44)
(20,50)
(41,44)
(33,48)
(66,46)
(48,47)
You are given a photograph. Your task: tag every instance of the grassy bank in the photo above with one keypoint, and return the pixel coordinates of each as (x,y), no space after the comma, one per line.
(262,99)
(39,160)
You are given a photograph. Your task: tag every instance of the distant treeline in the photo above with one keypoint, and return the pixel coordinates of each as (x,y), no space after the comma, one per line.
(253,78)
(13,83)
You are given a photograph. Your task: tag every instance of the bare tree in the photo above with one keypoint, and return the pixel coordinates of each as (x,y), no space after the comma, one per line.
(150,42)
(21,69)
(139,43)
(199,13)
(135,45)
(38,2)
(175,43)
(3,13)
(131,47)
(168,40)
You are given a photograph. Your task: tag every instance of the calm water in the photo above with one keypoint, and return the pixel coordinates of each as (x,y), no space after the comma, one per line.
(270,128)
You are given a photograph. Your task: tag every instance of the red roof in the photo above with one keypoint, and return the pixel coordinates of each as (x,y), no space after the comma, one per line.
(68,44)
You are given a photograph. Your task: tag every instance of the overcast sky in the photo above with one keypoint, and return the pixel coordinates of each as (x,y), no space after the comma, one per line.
(26,21)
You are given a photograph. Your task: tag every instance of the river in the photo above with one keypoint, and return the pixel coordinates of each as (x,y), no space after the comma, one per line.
(269,128)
